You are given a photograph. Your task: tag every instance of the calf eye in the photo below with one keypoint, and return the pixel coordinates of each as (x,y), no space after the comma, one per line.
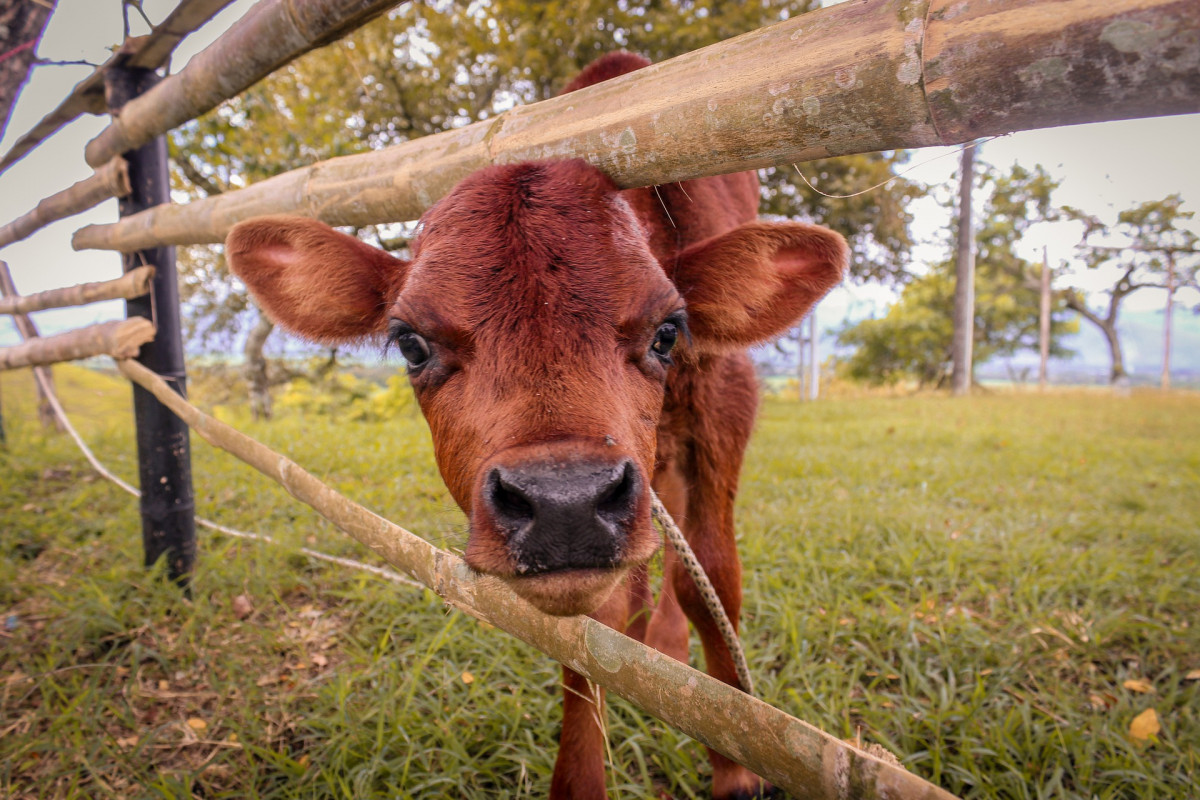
(412,345)
(414,349)
(664,339)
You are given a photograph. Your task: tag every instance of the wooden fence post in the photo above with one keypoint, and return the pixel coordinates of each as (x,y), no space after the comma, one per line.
(164,451)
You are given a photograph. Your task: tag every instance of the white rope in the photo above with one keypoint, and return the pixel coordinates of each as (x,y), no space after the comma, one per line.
(390,575)
(705,587)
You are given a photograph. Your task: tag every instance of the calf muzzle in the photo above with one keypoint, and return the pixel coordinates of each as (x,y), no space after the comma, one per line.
(560,516)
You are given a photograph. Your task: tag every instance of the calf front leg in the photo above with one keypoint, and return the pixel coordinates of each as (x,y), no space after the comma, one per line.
(708,527)
(579,770)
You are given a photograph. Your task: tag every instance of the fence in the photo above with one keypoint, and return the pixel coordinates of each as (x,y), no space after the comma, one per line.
(852,78)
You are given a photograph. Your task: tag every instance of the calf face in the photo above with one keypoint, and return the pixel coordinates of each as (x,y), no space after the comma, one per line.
(540,331)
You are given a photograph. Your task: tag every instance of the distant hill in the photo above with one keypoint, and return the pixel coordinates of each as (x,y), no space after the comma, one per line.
(1142,344)
(1141,338)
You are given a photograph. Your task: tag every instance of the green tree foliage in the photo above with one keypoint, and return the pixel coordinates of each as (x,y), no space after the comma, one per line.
(427,67)
(913,340)
(1147,242)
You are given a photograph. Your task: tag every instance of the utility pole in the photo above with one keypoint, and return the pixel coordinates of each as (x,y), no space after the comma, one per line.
(964,281)
(814,364)
(1165,383)
(1044,322)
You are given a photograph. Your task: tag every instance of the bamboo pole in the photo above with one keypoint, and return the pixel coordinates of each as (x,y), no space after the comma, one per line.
(790,753)
(110,180)
(131,284)
(149,52)
(272,33)
(119,339)
(851,78)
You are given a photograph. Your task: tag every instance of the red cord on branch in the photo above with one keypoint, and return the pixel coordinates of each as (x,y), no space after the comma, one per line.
(18,49)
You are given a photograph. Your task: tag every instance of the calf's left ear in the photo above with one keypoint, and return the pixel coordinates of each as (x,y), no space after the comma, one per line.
(325,285)
(756,281)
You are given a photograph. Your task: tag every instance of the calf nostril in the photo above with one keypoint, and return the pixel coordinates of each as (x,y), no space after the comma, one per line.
(616,501)
(511,507)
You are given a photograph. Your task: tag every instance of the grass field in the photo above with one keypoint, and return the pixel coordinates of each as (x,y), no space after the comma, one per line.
(994,588)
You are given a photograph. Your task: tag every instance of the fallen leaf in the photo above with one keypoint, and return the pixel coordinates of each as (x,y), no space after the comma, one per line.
(127,741)
(196,724)
(267,680)
(242,607)
(1194,675)
(468,678)
(320,660)
(163,686)
(1139,685)
(1145,726)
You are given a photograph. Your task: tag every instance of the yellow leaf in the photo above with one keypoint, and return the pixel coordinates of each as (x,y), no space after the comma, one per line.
(468,678)
(1194,675)
(1139,685)
(1145,725)
(196,724)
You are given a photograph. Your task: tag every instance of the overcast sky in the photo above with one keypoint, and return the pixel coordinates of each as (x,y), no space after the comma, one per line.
(1104,168)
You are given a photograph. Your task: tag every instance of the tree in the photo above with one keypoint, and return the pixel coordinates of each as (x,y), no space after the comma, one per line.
(914,339)
(1147,248)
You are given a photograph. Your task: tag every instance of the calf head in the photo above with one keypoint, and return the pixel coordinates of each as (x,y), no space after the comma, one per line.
(539,331)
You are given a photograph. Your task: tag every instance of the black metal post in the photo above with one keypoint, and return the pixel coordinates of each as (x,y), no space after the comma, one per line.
(164,450)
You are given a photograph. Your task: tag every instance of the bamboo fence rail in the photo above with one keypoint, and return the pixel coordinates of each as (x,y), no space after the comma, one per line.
(134,283)
(119,339)
(851,78)
(149,52)
(110,180)
(792,754)
(272,33)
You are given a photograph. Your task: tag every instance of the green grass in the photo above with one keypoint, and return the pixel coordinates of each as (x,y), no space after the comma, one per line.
(968,582)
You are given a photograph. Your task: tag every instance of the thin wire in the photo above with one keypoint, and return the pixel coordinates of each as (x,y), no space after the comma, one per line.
(898,174)
(390,575)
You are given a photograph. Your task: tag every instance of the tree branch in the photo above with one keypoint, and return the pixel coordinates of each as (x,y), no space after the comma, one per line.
(197,178)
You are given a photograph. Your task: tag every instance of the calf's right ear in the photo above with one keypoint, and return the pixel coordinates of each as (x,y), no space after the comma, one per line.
(324,285)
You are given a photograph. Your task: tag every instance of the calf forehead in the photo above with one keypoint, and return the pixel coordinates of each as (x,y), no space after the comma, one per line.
(532,245)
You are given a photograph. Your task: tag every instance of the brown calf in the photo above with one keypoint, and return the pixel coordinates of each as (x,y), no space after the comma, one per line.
(572,345)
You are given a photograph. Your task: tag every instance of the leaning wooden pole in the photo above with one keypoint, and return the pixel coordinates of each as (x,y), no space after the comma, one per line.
(272,33)
(110,180)
(27,330)
(852,78)
(791,754)
(164,451)
(130,285)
